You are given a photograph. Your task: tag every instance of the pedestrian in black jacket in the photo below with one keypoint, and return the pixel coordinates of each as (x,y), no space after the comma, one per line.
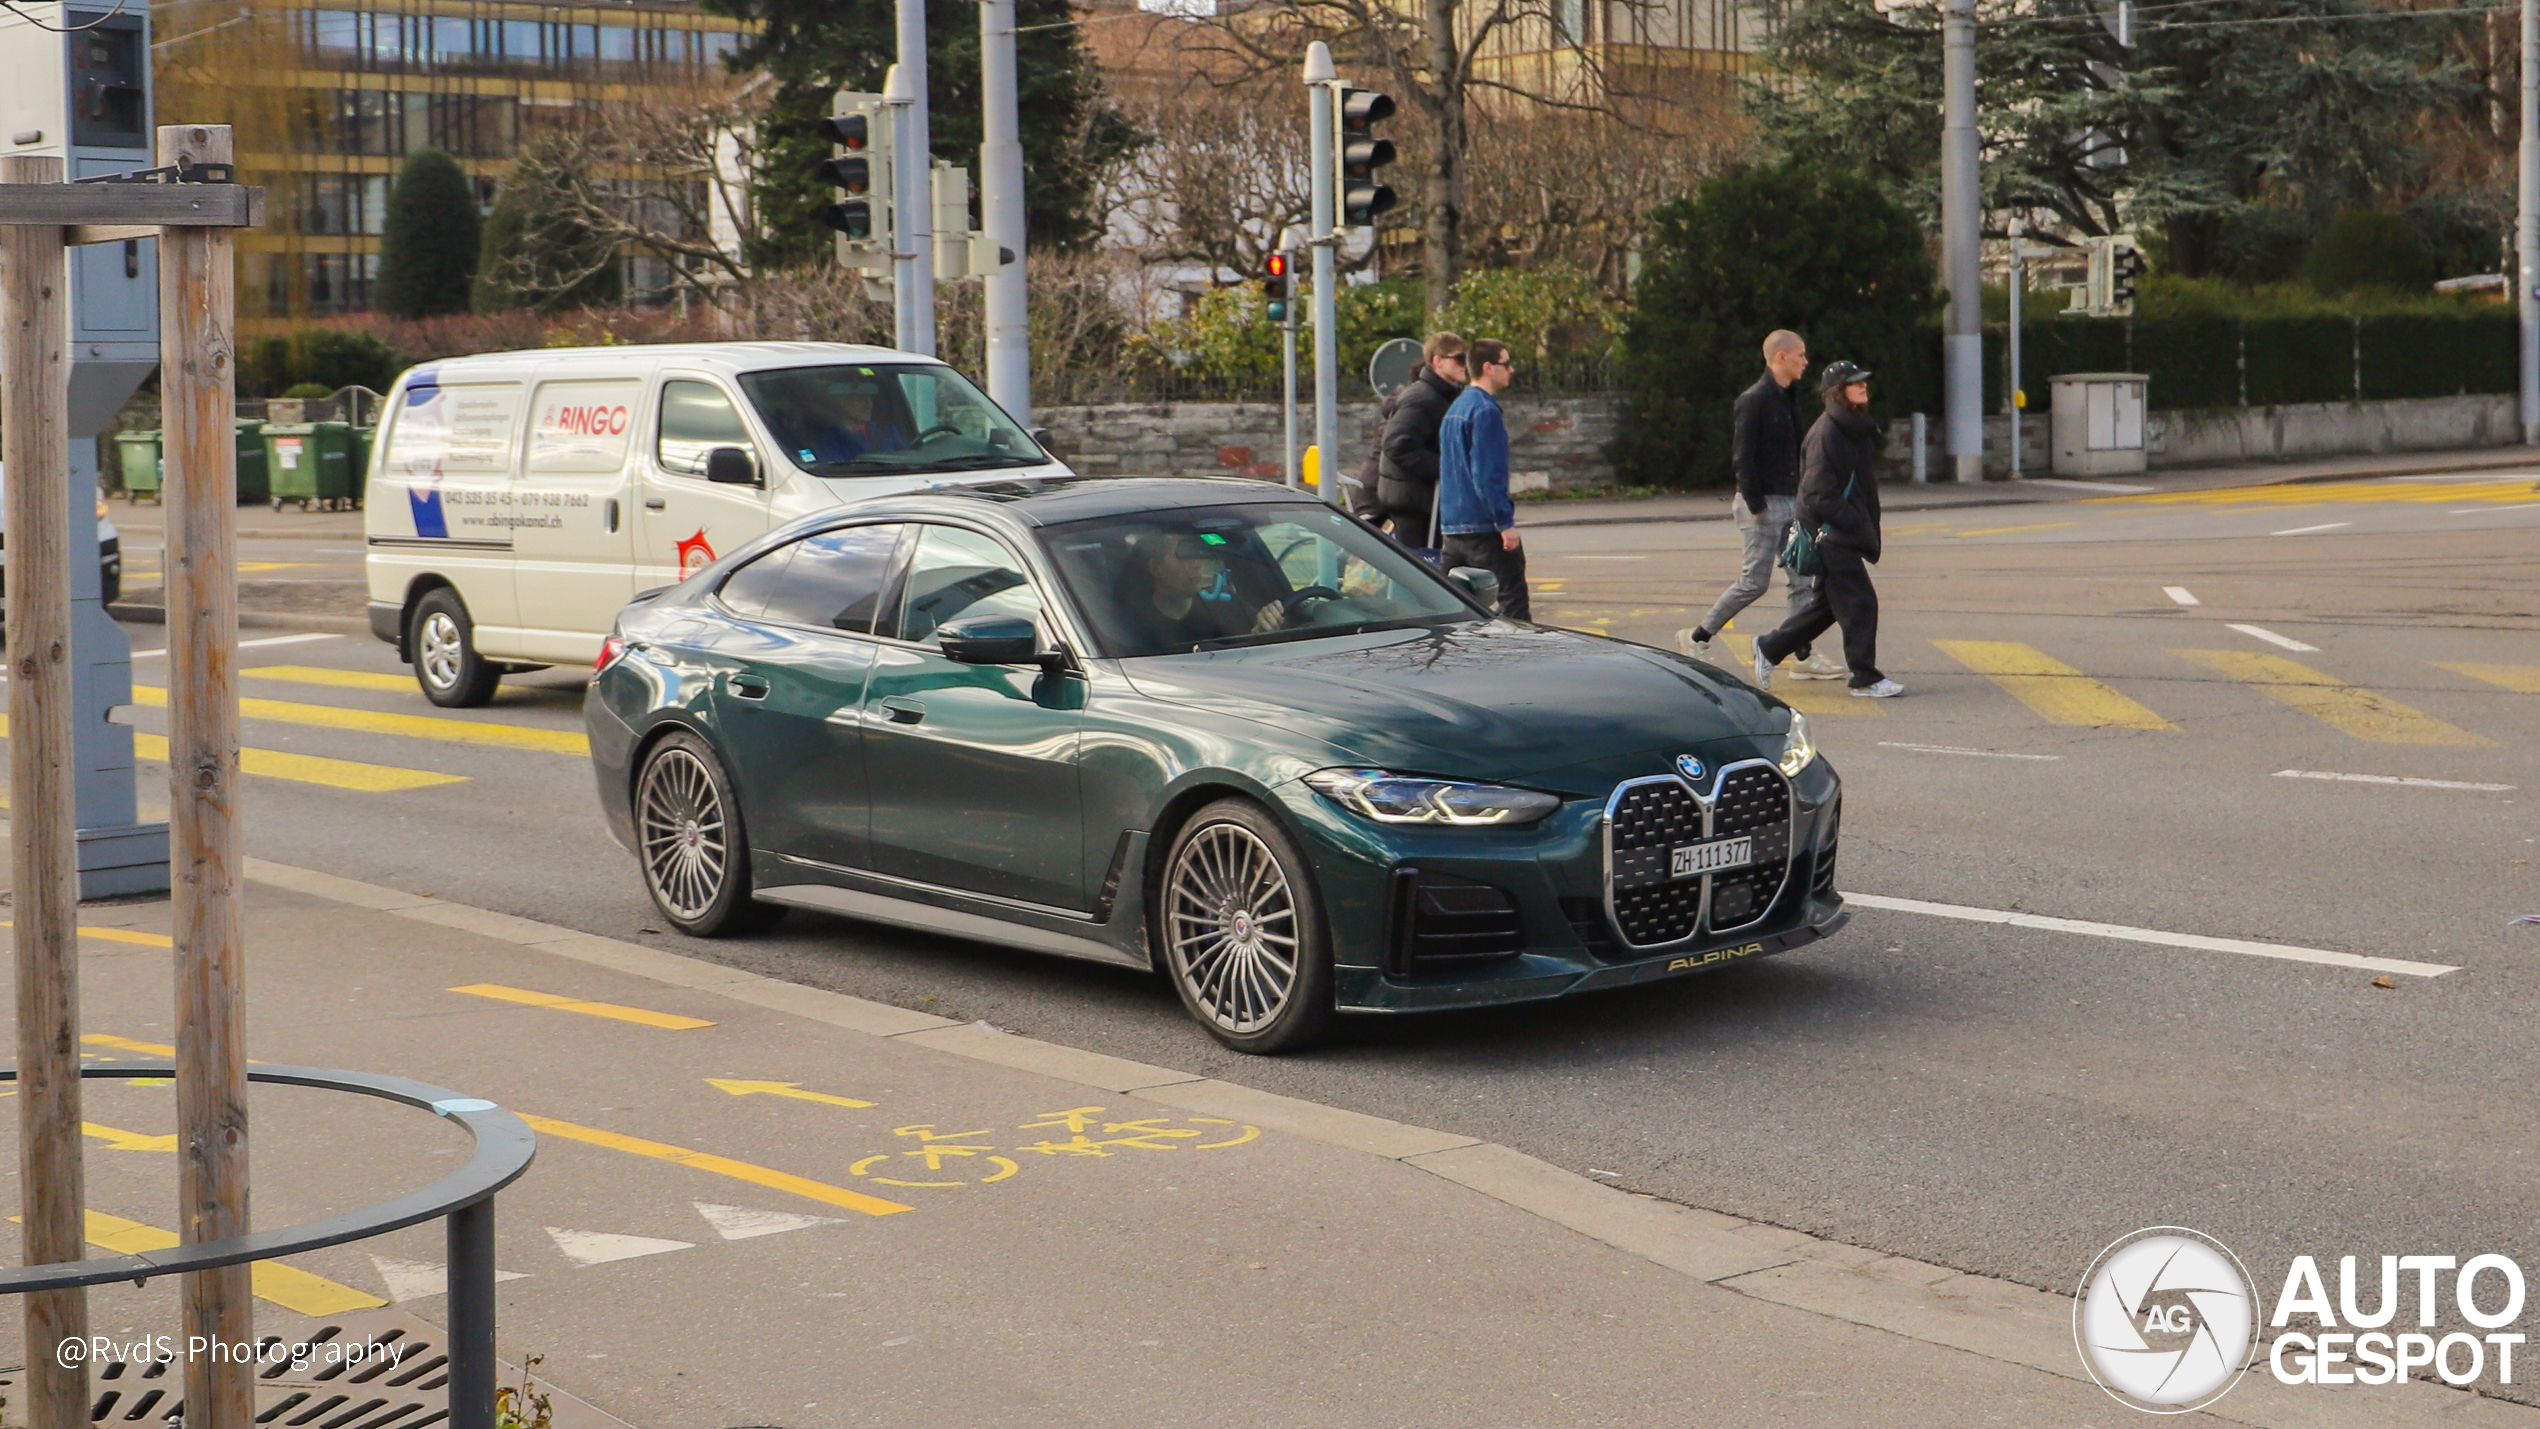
(1407,464)
(1839,500)
(1764,453)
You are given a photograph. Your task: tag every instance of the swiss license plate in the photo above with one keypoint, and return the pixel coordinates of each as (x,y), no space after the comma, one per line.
(1693,860)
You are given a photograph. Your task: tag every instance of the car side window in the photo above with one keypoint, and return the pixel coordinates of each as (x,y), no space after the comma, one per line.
(955,573)
(836,580)
(695,419)
(746,590)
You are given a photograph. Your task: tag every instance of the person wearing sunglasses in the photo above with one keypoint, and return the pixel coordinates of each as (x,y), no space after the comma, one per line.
(1475,514)
(1406,458)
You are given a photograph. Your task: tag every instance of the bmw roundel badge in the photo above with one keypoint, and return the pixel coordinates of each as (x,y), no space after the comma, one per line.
(1689,767)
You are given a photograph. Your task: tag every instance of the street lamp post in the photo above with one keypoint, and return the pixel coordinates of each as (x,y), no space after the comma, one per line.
(2527,226)
(1004,297)
(1320,77)
(1962,349)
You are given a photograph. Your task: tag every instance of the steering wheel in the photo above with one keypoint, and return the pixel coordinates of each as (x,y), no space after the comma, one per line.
(1294,601)
(931,431)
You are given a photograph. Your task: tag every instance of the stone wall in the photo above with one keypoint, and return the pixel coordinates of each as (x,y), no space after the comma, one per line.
(1554,443)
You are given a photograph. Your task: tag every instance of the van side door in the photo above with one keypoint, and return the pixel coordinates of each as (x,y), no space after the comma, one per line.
(573,537)
(685,520)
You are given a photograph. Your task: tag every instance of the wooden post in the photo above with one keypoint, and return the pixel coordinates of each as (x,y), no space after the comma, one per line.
(197,373)
(44,830)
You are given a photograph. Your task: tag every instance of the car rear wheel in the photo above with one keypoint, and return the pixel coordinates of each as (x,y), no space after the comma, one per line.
(688,835)
(442,641)
(1241,931)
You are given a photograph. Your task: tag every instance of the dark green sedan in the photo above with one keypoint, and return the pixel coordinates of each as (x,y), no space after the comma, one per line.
(1206,727)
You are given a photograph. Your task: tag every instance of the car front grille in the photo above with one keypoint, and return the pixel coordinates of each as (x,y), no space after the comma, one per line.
(1649,819)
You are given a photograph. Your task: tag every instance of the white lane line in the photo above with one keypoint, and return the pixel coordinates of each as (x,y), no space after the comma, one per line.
(2180,594)
(2391,779)
(2269,636)
(1953,749)
(244,644)
(2306,530)
(2070,484)
(1604,558)
(2119,931)
(2517,506)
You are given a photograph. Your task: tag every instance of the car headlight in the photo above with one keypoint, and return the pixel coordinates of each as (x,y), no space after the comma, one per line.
(1797,748)
(1411,799)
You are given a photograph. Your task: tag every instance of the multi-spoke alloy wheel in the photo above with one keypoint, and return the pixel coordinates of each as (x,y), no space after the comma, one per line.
(1239,931)
(688,835)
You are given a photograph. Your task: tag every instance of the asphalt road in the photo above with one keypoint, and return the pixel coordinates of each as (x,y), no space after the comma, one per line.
(1998,1099)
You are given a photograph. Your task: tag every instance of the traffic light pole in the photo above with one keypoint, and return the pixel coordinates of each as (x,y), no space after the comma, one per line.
(1287,405)
(1962,349)
(2019,282)
(1320,77)
(913,301)
(1004,294)
(2527,226)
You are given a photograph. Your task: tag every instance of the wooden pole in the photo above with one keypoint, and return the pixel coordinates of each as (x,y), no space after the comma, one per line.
(198,400)
(44,830)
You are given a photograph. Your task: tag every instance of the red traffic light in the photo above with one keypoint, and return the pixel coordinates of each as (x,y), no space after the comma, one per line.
(1276,265)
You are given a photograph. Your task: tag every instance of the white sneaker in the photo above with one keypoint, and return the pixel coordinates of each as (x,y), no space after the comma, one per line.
(1763,668)
(1698,649)
(1883,690)
(1818,667)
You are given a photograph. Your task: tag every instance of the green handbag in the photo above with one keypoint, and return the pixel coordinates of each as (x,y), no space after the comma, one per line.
(1800,555)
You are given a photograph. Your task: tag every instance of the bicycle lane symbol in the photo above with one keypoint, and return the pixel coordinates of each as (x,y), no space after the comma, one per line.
(951,1154)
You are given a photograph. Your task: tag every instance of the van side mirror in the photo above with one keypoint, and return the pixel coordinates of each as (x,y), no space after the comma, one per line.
(1041,437)
(1480,584)
(731,466)
(989,640)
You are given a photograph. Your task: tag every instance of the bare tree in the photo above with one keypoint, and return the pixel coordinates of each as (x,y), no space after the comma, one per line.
(1220,176)
(1561,186)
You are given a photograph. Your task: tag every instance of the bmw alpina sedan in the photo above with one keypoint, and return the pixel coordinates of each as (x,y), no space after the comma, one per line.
(1208,728)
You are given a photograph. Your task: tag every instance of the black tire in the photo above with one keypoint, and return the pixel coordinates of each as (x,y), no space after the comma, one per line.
(1233,881)
(109,584)
(442,641)
(691,844)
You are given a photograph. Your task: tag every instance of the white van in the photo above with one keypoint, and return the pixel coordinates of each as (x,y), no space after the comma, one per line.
(518,500)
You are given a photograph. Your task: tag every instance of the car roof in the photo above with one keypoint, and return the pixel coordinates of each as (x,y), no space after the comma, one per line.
(726,359)
(1052,500)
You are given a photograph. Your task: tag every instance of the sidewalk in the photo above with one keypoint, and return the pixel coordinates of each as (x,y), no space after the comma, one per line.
(1713,505)
(758,1203)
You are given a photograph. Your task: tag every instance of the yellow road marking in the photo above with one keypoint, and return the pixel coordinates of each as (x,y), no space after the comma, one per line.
(340,679)
(527,998)
(2007,530)
(2319,493)
(457,731)
(1918,526)
(2522,679)
(117,935)
(2049,686)
(126,1044)
(719,1165)
(1805,696)
(793,1090)
(247,567)
(299,768)
(2331,701)
(121,1140)
(291,1289)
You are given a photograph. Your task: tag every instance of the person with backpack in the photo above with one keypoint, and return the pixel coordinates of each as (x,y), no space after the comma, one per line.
(1407,454)
(1767,425)
(1839,518)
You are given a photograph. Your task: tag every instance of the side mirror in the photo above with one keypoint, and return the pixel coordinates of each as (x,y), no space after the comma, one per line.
(990,640)
(1041,437)
(731,466)
(1480,584)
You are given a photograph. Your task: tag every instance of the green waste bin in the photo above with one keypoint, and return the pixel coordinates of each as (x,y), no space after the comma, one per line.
(140,455)
(307,462)
(356,471)
(252,488)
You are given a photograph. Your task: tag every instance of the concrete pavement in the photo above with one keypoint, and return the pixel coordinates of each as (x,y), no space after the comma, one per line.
(760,1203)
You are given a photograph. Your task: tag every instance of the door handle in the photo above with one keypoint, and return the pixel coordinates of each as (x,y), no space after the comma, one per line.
(748,687)
(903,711)
(610,507)
(656,503)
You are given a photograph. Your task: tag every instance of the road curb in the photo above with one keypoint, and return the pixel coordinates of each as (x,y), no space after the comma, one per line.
(1985,1316)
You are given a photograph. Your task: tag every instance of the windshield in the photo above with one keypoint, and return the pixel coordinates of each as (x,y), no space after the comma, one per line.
(1161,582)
(883,419)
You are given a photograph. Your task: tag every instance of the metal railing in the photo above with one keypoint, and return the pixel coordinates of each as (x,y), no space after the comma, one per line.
(465,1199)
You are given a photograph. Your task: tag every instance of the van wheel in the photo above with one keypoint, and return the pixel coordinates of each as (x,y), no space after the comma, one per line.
(443,640)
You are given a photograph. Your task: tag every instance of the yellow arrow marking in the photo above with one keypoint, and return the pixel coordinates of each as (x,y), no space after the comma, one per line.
(122,1140)
(793,1090)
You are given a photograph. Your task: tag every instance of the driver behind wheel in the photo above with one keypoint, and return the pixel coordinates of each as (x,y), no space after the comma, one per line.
(1187,596)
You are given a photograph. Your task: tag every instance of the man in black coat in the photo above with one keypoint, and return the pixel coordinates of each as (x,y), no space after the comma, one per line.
(1764,454)
(1839,500)
(1407,457)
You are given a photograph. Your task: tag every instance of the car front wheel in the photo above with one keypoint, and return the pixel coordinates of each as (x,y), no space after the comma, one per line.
(442,641)
(1242,933)
(688,834)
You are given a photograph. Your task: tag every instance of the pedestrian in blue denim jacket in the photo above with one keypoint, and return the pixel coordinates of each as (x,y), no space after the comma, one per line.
(1475,515)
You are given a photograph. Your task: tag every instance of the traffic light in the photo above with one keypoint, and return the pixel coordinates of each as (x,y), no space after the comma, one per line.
(1274,286)
(2125,265)
(859,167)
(1362,154)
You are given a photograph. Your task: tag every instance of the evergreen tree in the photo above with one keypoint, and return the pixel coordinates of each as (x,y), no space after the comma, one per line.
(428,239)
(814,47)
(540,251)
(1822,252)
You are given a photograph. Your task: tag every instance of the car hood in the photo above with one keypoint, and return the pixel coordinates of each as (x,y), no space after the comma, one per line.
(1497,701)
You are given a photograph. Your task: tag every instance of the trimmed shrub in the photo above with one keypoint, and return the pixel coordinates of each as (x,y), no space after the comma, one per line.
(2193,362)
(2300,360)
(2369,248)
(428,239)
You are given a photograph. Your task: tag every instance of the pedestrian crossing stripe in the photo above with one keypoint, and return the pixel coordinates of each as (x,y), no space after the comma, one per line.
(2057,691)
(2521,679)
(338,679)
(2359,712)
(406,726)
(2428,493)
(301,768)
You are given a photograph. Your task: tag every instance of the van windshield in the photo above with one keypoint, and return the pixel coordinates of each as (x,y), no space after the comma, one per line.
(884,419)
